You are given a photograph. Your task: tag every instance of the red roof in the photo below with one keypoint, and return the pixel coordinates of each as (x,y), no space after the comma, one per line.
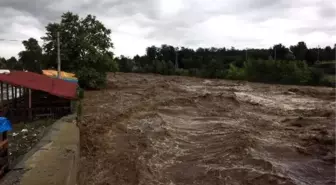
(40,82)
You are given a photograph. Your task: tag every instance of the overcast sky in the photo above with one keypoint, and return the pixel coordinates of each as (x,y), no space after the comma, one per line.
(136,24)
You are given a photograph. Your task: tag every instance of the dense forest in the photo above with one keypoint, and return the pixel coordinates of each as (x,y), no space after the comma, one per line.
(86,50)
(278,64)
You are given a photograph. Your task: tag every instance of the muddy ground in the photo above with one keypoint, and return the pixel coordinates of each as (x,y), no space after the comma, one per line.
(152,129)
(24,136)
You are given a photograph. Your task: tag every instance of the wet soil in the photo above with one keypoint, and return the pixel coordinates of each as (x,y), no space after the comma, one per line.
(169,130)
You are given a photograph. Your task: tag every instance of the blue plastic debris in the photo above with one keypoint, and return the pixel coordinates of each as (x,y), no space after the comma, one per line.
(5,125)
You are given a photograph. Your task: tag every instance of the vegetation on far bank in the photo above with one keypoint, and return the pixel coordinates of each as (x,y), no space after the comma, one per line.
(257,65)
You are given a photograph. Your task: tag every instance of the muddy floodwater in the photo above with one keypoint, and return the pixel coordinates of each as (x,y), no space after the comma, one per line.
(169,130)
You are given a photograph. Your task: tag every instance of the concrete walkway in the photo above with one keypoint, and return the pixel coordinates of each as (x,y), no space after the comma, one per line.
(54,160)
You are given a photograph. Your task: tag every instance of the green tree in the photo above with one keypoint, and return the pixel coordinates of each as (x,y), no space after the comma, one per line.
(152,52)
(85,48)
(169,68)
(281,52)
(31,57)
(299,50)
(3,62)
(14,64)
(125,64)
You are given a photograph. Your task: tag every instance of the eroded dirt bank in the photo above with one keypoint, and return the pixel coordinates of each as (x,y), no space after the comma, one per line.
(151,129)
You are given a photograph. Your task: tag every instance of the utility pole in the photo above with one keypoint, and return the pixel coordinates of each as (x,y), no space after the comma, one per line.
(318,53)
(274,53)
(58,56)
(246,54)
(176,58)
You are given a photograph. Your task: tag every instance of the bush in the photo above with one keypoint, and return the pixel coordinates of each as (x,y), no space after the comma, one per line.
(328,80)
(235,73)
(182,72)
(195,72)
(316,76)
(80,93)
(89,78)
(270,71)
(79,110)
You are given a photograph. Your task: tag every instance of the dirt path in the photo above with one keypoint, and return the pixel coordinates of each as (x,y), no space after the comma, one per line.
(151,129)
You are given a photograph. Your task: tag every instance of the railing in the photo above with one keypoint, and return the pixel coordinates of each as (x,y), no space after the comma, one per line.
(21,104)
(7,104)
(26,114)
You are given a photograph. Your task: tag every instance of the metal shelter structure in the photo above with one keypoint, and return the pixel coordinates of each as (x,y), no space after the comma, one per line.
(26,96)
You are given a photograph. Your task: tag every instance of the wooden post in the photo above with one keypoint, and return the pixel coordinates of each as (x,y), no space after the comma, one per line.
(12,96)
(7,99)
(2,100)
(19,91)
(58,56)
(7,92)
(25,102)
(22,94)
(15,96)
(30,105)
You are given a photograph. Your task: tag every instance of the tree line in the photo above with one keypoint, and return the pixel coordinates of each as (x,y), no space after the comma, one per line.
(296,64)
(86,51)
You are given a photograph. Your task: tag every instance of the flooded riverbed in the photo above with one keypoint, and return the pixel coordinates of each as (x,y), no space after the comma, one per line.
(151,129)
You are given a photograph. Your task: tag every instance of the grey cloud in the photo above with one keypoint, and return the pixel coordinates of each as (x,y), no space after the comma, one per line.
(327,11)
(262,4)
(42,10)
(12,21)
(257,11)
(146,14)
(239,43)
(251,9)
(45,11)
(327,22)
(261,9)
(128,8)
(329,29)
(36,8)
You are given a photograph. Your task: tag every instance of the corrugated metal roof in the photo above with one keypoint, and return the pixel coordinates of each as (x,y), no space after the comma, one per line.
(40,82)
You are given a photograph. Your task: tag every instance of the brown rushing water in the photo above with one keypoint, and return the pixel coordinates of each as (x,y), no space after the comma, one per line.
(151,129)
